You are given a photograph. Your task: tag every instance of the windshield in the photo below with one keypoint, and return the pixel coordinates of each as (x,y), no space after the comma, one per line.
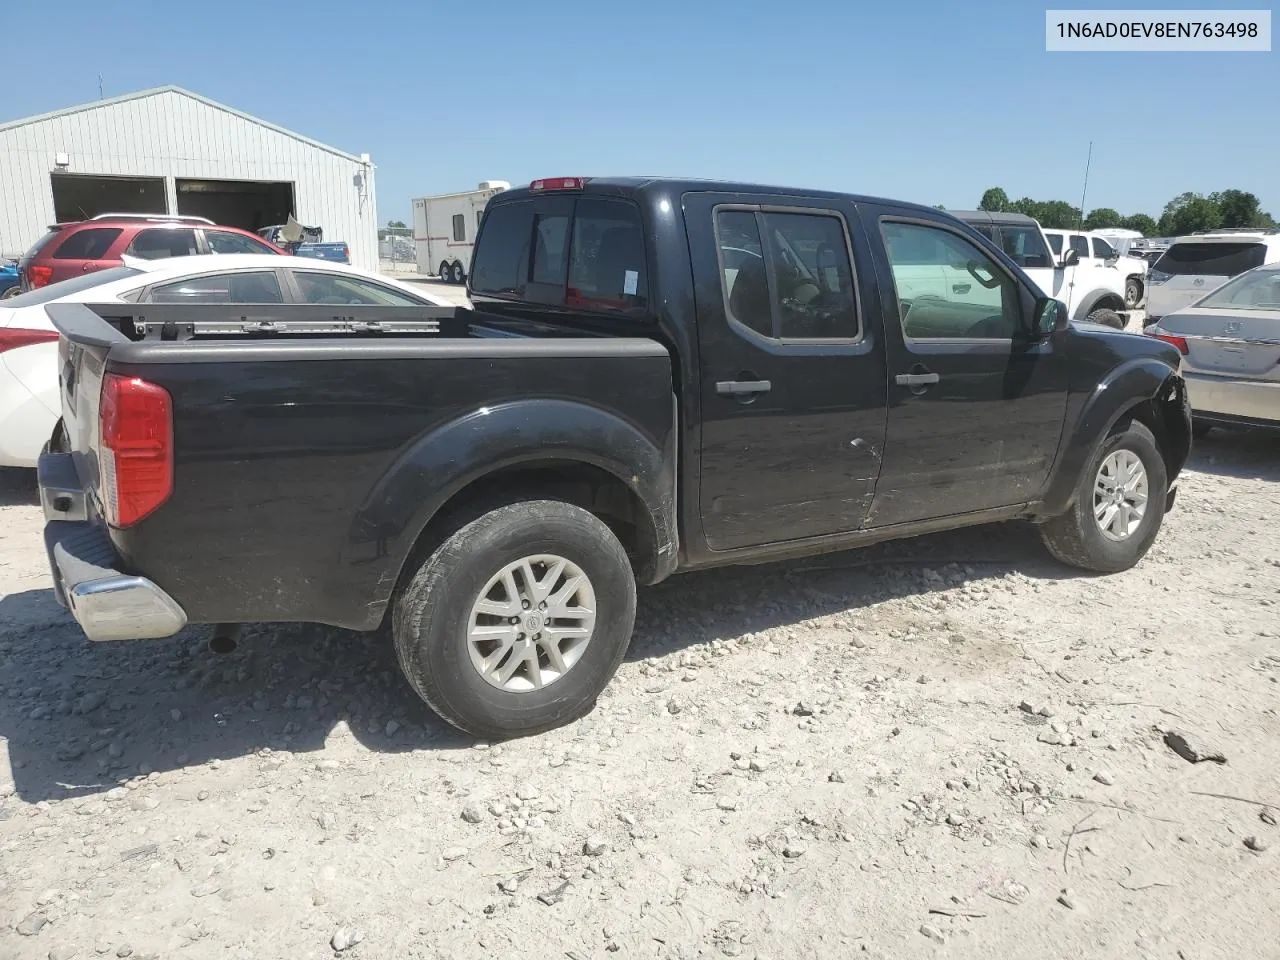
(1025,246)
(83,282)
(1255,290)
(1211,259)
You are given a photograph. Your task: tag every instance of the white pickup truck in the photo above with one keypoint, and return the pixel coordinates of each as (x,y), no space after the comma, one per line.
(1090,288)
(1098,252)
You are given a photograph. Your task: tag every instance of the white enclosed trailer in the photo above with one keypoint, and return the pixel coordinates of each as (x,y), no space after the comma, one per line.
(444,229)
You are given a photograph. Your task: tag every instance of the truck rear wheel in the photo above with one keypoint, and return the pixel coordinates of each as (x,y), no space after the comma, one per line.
(458,275)
(518,620)
(446,272)
(1119,504)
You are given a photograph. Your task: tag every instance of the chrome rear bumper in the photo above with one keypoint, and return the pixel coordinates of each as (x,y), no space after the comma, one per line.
(108,603)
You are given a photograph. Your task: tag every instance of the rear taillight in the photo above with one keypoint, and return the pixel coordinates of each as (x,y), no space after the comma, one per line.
(135,449)
(1179,342)
(11,338)
(39,275)
(346,253)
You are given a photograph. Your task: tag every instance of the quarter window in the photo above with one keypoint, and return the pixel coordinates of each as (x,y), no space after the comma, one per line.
(787,276)
(333,288)
(947,288)
(222,242)
(90,244)
(459,228)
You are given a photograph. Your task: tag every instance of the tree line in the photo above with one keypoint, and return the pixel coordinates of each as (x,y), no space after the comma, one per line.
(1185,213)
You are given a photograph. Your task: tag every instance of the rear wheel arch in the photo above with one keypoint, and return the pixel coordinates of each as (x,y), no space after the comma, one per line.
(1099,300)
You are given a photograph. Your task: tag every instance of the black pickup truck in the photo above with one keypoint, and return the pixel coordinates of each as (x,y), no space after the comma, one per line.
(655,375)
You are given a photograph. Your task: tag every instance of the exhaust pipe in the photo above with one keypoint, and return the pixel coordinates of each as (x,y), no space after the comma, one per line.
(226,637)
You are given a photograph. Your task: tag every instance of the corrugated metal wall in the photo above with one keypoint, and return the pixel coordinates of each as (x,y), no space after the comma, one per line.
(170,134)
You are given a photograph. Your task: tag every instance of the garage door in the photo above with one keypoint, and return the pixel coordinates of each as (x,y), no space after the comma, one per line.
(247,204)
(79,196)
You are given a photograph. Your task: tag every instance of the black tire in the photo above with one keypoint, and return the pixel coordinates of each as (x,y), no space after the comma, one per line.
(459,276)
(1132,292)
(431,618)
(446,272)
(1075,537)
(10,292)
(1107,317)
(1200,429)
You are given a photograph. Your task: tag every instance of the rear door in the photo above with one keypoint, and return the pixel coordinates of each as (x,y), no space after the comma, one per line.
(82,251)
(791,366)
(975,406)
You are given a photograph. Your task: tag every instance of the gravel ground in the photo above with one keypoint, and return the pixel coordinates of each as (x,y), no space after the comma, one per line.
(946,747)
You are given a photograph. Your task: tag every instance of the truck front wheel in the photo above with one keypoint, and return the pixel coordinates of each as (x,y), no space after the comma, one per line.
(1119,504)
(518,620)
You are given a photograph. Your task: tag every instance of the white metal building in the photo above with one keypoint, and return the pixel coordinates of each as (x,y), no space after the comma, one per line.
(171,151)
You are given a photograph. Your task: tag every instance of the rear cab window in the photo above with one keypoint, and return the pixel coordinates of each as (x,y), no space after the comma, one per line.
(581,252)
(1211,259)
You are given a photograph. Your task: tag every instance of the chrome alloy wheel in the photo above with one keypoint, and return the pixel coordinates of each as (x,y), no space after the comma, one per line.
(531,623)
(1120,495)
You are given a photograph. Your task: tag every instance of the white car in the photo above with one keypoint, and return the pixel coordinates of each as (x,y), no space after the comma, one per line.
(29,402)
(1198,264)
(1098,253)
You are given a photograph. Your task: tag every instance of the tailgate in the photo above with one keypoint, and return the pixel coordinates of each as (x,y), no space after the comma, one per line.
(85,341)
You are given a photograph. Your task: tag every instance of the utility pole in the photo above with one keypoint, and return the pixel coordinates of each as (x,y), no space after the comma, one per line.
(101,96)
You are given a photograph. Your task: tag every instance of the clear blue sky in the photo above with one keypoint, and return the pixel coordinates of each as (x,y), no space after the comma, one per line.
(929,101)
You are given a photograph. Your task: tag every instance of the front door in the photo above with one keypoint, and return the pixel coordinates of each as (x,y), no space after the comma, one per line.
(792,375)
(976,405)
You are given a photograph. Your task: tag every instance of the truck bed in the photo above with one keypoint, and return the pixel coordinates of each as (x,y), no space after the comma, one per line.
(298,455)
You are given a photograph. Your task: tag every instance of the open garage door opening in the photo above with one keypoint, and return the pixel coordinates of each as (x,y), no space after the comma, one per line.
(79,196)
(247,204)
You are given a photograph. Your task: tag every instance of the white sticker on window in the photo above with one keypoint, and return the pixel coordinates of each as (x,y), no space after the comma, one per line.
(630,281)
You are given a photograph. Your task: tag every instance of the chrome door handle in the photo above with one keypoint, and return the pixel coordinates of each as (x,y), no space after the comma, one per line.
(737,388)
(916,379)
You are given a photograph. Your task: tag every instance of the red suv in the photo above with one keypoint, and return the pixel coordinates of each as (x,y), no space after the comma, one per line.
(72,249)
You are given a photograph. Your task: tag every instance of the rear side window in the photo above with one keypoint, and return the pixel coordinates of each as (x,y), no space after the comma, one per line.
(165,242)
(1211,259)
(256,287)
(793,278)
(89,244)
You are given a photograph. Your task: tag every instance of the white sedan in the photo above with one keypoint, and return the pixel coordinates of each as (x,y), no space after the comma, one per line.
(29,401)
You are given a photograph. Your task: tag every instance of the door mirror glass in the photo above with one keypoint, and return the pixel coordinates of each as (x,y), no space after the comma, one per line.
(1051,316)
(1071,257)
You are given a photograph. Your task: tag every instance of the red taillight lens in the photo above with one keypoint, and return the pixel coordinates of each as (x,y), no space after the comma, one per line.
(39,275)
(558,183)
(1179,342)
(11,338)
(346,252)
(135,449)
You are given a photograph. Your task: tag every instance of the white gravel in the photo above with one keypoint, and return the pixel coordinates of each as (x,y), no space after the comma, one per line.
(885,754)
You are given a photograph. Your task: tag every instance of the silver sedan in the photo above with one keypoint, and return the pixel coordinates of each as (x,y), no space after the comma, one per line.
(1230,345)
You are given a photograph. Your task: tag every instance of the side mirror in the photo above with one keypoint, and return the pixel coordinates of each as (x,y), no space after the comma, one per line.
(1051,316)
(1071,257)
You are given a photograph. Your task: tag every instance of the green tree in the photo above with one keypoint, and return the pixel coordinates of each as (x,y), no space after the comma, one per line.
(994,200)
(1189,212)
(1102,218)
(1144,224)
(395,225)
(1241,209)
(1058,215)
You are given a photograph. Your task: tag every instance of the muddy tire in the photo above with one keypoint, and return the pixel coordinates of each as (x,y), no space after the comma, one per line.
(1119,504)
(518,620)
(1108,318)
